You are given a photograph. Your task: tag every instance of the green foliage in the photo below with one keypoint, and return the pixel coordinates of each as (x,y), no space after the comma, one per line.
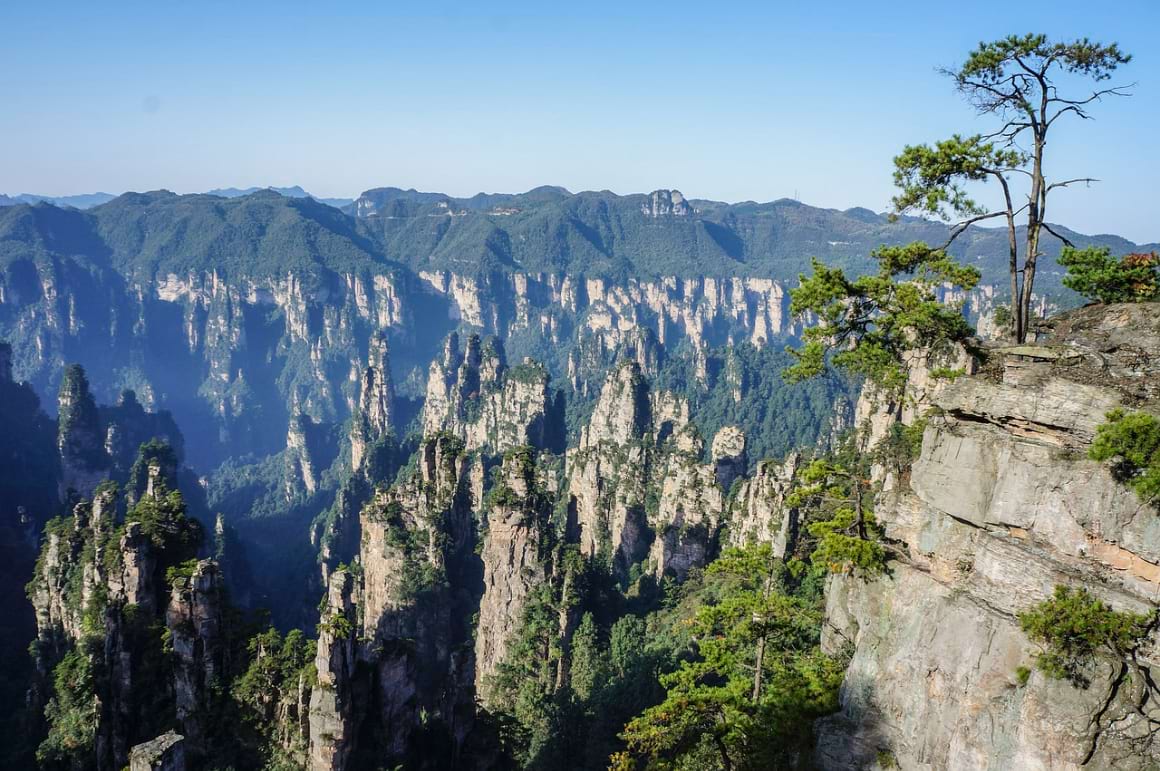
(1131,440)
(337,625)
(867,324)
(901,446)
(277,668)
(72,713)
(1097,275)
(841,548)
(993,62)
(724,706)
(589,665)
(931,177)
(947,373)
(1022,674)
(153,452)
(524,684)
(1074,627)
(181,572)
(835,497)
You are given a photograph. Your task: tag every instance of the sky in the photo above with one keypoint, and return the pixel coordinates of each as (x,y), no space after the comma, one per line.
(728,101)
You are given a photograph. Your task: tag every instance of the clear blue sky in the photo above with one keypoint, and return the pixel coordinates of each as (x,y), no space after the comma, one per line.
(729,101)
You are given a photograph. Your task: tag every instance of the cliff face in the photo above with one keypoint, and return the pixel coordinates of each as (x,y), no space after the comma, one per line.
(195,618)
(476,397)
(400,662)
(515,556)
(374,418)
(331,727)
(758,512)
(636,485)
(99,592)
(1001,506)
(251,351)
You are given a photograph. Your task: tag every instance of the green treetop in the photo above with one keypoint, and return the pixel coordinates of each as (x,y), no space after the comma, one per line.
(1024,83)
(869,323)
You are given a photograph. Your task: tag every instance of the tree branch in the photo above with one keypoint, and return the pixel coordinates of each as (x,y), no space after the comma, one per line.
(1066,242)
(1067,182)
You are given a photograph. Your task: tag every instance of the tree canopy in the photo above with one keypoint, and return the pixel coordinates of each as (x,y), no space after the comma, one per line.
(1024,83)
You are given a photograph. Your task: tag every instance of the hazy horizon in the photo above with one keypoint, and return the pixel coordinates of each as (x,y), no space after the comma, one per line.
(750,103)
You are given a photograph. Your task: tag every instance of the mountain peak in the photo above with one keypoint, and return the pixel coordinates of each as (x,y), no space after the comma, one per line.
(666,202)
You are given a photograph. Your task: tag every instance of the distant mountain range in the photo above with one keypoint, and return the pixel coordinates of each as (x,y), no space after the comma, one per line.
(547,230)
(82,201)
(289,192)
(89,200)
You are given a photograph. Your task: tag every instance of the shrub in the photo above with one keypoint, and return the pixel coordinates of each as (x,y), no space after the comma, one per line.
(1074,627)
(73,712)
(1133,441)
(839,549)
(1096,274)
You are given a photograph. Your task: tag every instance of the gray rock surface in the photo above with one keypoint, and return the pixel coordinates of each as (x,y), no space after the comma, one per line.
(165,753)
(1002,506)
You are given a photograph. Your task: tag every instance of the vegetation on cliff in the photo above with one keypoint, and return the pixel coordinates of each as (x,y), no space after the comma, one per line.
(1131,441)
(1094,273)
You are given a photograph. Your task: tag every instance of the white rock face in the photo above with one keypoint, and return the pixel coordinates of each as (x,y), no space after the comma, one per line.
(475,396)
(758,513)
(640,446)
(374,418)
(728,455)
(1002,506)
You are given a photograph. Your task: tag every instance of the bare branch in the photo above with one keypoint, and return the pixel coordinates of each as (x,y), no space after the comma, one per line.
(961,227)
(1009,130)
(1067,182)
(1066,242)
(1095,97)
(1071,108)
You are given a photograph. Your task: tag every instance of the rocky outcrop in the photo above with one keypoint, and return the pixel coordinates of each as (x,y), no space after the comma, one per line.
(302,472)
(402,662)
(728,455)
(475,396)
(665,202)
(331,717)
(515,559)
(165,753)
(636,485)
(927,374)
(83,461)
(758,512)
(1001,506)
(195,619)
(374,418)
(687,517)
(97,443)
(99,592)
(608,471)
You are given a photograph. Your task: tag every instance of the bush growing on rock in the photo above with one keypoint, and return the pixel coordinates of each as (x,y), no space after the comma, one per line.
(1075,627)
(1097,275)
(1132,442)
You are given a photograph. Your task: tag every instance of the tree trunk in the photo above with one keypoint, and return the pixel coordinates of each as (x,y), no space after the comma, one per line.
(860,515)
(760,657)
(1013,249)
(726,761)
(757,670)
